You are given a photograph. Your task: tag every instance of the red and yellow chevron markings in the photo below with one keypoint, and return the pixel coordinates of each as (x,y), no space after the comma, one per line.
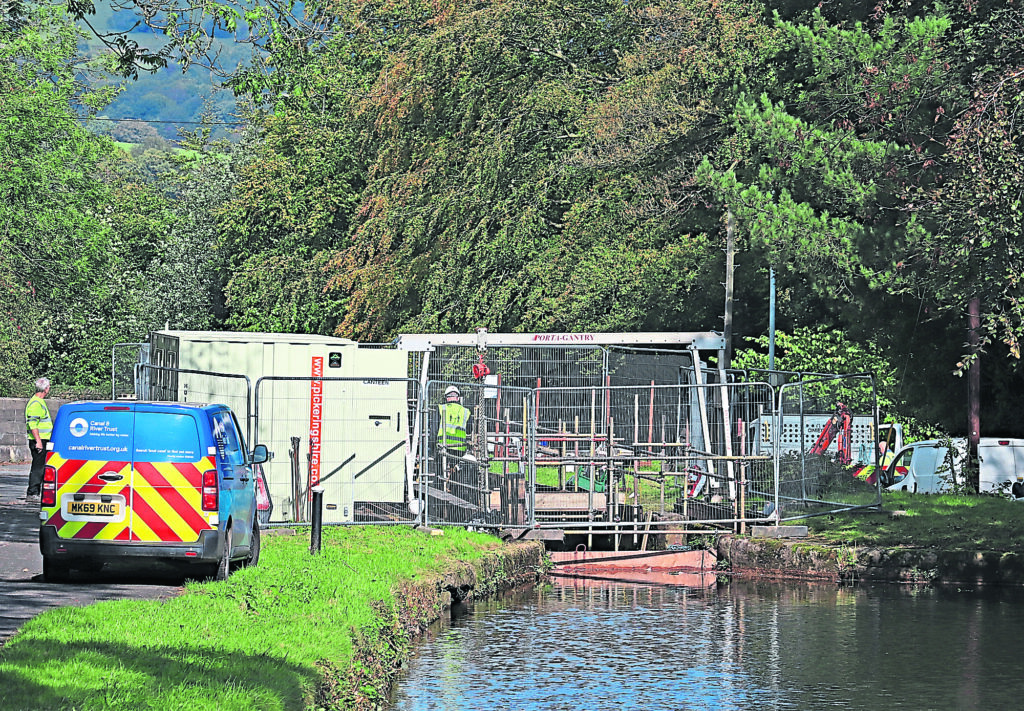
(167,501)
(77,476)
(163,500)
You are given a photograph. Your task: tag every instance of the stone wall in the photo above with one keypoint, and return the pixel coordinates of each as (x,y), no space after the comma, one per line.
(806,559)
(13,437)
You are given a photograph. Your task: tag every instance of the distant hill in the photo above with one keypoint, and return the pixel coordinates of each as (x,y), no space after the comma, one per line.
(167,97)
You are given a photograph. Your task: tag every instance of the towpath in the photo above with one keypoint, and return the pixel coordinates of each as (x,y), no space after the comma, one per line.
(23,594)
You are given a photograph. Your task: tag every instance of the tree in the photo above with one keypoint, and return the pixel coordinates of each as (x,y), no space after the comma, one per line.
(50,227)
(519,175)
(77,232)
(966,225)
(185,280)
(820,350)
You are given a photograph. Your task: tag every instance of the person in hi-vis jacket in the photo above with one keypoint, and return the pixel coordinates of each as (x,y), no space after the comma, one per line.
(453,428)
(40,428)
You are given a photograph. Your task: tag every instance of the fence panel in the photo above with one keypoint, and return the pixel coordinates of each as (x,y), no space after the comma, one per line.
(824,434)
(629,453)
(642,366)
(181,385)
(488,484)
(124,358)
(352,436)
(515,366)
(599,458)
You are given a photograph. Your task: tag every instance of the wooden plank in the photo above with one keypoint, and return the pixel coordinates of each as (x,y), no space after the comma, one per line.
(569,501)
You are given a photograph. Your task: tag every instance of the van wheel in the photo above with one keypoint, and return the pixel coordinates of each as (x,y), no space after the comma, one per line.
(53,573)
(254,546)
(224,566)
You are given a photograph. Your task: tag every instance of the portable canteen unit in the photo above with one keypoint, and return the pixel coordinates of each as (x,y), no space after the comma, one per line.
(348,436)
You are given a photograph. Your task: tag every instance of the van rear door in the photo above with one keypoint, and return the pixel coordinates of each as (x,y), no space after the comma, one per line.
(167,477)
(1000,462)
(92,463)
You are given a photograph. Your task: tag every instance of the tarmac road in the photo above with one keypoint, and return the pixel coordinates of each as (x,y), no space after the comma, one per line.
(23,594)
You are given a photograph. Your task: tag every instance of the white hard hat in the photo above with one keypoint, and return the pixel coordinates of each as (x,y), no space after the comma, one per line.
(452,393)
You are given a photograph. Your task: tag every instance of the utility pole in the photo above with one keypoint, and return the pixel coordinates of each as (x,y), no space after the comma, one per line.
(974,386)
(771,318)
(730,257)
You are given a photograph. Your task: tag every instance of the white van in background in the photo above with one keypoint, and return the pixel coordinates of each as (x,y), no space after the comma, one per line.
(937,465)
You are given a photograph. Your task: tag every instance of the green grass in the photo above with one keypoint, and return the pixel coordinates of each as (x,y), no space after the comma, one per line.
(940,521)
(650,491)
(254,641)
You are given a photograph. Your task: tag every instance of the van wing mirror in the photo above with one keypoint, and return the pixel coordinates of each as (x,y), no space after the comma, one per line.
(260,454)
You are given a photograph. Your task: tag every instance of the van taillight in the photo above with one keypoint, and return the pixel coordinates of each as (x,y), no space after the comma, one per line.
(1004,443)
(49,493)
(210,490)
(262,497)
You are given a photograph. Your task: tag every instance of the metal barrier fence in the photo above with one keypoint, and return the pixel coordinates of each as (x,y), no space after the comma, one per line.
(160,383)
(818,457)
(666,449)
(123,359)
(515,366)
(642,366)
(484,482)
(594,458)
(352,436)
(599,447)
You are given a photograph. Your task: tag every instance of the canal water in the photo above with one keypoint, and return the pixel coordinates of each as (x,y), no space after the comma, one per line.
(585,645)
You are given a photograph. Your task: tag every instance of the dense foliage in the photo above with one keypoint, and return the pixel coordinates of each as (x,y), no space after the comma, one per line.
(413,166)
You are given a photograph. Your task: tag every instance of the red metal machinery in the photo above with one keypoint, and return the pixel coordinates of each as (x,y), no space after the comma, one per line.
(839,425)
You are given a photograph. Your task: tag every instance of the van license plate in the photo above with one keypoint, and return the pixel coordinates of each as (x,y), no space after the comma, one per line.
(94,508)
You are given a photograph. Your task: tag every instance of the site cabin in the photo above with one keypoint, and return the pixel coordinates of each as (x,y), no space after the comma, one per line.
(937,465)
(346,403)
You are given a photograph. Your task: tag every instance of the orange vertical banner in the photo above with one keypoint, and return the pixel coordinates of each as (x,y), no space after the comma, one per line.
(316,405)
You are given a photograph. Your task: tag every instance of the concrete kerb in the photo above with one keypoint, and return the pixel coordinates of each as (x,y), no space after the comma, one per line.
(807,559)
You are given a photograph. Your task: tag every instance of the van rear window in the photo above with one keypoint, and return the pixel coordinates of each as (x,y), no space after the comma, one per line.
(166,437)
(98,435)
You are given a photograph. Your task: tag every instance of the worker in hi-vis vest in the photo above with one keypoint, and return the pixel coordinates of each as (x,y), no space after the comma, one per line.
(453,427)
(885,455)
(40,427)
(454,466)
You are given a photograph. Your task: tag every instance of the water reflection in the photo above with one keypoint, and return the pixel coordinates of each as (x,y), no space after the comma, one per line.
(580,645)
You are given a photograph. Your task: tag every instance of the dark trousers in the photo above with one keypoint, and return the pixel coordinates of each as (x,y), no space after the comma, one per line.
(35,474)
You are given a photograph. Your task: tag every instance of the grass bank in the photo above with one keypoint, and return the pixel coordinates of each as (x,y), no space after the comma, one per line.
(938,521)
(296,632)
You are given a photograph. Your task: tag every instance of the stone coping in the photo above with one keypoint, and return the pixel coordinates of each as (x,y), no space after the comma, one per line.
(806,559)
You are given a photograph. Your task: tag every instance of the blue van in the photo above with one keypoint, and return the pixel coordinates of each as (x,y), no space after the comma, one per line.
(151,480)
